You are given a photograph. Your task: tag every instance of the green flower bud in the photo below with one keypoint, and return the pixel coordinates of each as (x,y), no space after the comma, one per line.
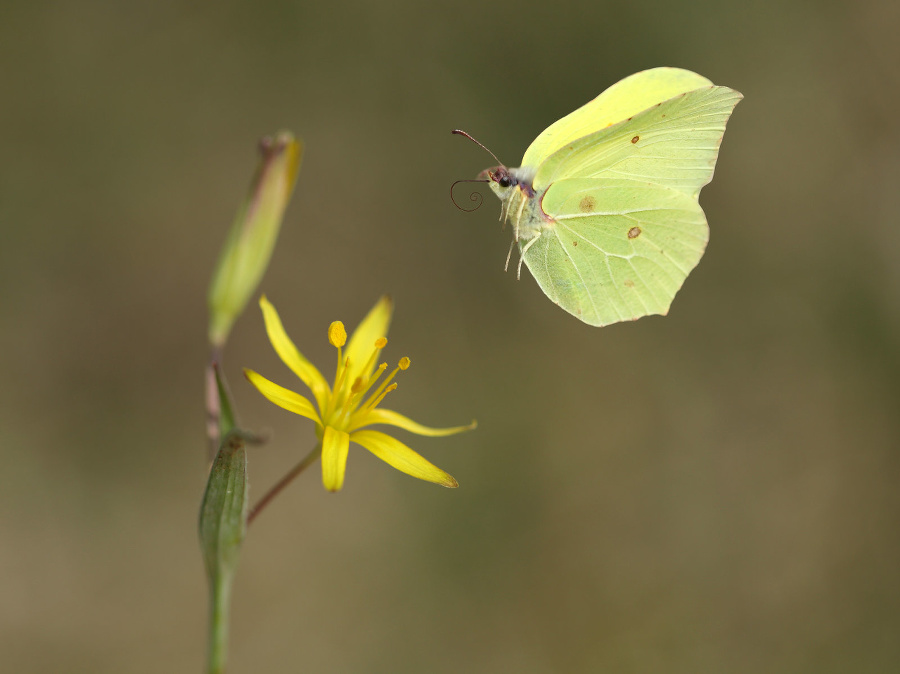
(247,250)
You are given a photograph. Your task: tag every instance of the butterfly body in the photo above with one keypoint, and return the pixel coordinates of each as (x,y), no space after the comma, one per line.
(520,203)
(604,208)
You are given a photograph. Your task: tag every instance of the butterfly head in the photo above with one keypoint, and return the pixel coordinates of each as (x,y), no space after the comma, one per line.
(504,181)
(500,180)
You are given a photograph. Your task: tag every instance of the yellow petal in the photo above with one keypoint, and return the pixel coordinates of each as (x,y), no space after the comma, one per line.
(401,457)
(335,446)
(391,418)
(374,326)
(286,350)
(292,402)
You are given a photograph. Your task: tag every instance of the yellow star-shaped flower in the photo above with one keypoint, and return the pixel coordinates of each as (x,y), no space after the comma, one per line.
(351,404)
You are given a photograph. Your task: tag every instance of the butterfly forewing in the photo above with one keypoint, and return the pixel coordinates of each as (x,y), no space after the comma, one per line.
(607,217)
(622,100)
(673,144)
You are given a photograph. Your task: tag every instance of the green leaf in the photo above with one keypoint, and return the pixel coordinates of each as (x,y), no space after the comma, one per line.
(223,525)
(223,514)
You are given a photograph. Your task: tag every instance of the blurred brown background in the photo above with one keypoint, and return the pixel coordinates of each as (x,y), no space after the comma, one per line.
(715,491)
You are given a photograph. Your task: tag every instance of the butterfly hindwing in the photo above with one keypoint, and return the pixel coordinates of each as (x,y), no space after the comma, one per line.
(618,250)
(605,206)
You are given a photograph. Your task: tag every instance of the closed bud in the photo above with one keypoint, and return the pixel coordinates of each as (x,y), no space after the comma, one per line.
(247,250)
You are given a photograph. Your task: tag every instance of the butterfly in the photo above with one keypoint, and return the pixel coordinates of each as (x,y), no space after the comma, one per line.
(604,208)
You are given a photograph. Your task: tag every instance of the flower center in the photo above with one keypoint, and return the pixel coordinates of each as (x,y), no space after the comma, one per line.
(350,399)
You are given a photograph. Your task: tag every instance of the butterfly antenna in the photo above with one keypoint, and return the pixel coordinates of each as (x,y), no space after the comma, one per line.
(460,132)
(474,196)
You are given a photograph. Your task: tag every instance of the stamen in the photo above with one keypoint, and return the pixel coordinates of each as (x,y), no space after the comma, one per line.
(378,392)
(336,334)
(337,337)
(371,380)
(380,343)
(339,379)
(357,385)
(373,405)
(349,401)
(337,396)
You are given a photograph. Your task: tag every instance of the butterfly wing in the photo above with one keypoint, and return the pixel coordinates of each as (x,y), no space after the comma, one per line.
(619,249)
(627,227)
(674,143)
(622,100)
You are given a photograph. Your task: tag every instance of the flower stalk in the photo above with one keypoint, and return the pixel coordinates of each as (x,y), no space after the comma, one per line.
(242,263)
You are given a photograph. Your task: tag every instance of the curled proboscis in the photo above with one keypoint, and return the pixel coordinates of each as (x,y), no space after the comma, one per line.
(474,196)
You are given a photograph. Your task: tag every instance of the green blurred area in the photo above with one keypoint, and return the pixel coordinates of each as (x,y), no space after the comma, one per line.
(714,491)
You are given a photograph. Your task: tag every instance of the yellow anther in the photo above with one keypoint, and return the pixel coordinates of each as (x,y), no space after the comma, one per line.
(374,403)
(379,344)
(357,385)
(404,363)
(383,388)
(336,334)
(350,401)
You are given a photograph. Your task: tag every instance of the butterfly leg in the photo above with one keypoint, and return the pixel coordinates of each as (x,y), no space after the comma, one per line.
(521,210)
(504,211)
(522,256)
(509,255)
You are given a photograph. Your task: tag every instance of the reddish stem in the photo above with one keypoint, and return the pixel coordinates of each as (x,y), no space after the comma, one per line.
(284,482)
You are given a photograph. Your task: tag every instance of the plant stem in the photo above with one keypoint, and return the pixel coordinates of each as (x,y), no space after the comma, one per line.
(213,402)
(284,482)
(219,605)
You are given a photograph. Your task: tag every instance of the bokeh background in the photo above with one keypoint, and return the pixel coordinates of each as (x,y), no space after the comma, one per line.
(714,491)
